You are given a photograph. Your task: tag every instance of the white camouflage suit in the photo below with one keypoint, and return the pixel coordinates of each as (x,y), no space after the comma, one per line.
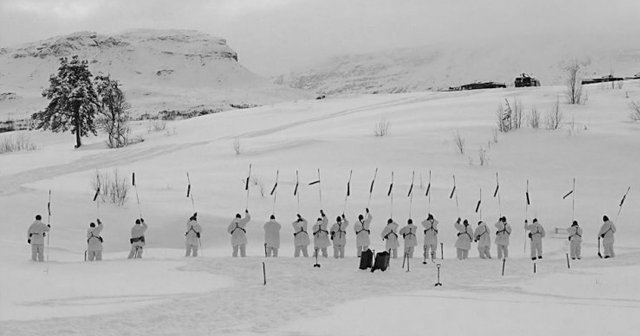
(321,236)
(339,236)
(138,241)
(575,241)
(408,232)
(391,237)
(35,236)
(483,237)
(536,234)
(239,234)
(272,237)
(430,236)
(94,242)
(192,237)
(503,230)
(362,230)
(300,237)
(606,234)
(463,243)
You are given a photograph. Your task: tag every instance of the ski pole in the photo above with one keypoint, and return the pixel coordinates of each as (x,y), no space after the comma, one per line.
(344,208)
(49,233)
(320,189)
(573,202)
(95,198)
(246,187)
(135,186)
(504,261)
(526,216)
(428,194)
(497,193)
(274,192)
(410,194)
(390,194)
(478,209)
(190,193)
(371,187)
(296,192)
(622,202)
(453,192)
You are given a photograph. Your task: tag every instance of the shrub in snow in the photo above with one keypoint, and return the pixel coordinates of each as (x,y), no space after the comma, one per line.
(236,145)
(16,143)
(113,187)
(534,118)
(382,128)
(635,111)
(459,141)
(156,126)
(555,117)
(483,157)
(510,116)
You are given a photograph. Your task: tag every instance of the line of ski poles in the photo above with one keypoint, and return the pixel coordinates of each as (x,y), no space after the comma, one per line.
(390,194)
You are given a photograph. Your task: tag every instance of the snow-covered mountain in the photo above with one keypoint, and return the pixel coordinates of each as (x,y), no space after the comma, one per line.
(448,64)
(159,69)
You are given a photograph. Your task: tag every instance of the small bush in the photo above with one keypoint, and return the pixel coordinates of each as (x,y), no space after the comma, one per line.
(382,128)
(635,111)
(236,145)
(555,117)
(574,88)
(483,157)
(459,141)
(114,188)
(534,118)
(16,143)
(510,116)
(156,125)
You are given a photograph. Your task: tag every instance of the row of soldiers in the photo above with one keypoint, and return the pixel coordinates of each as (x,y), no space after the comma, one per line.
(324,237)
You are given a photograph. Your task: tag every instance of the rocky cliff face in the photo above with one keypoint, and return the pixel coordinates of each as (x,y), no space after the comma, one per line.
(158,69)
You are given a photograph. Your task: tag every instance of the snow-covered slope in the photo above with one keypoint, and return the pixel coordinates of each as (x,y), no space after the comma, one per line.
(158,69)
(443,65)
(167,294)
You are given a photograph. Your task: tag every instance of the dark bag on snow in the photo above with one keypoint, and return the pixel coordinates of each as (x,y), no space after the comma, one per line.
(381,262)
(366,259)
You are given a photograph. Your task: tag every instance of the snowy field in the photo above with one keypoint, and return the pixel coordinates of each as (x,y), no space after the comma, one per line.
(167,294)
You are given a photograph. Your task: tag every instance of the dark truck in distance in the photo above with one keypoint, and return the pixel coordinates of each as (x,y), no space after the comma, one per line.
(525,80)
(478,86)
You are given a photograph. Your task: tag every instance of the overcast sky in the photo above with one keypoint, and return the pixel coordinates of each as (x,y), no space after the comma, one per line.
(271,36)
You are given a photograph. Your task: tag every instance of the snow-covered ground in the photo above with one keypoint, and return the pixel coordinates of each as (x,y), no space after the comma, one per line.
(166,294)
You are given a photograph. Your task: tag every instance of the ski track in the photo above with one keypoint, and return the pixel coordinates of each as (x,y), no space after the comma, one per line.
(291,294)
(12,183)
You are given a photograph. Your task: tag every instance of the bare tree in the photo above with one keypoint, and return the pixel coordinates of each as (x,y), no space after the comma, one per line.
(574,83)
(115,110)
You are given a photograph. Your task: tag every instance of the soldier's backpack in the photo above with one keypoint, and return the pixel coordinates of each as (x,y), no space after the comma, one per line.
(381,262)
(366,259)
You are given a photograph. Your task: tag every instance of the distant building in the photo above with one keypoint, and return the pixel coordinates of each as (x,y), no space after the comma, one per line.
(525,80)
(478,86)
(603,79)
